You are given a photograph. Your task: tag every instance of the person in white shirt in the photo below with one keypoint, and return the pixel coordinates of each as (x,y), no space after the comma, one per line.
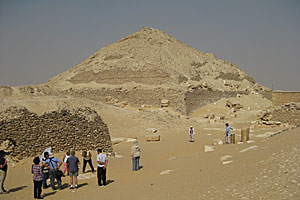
(65,158)
(191,133)
(102,161)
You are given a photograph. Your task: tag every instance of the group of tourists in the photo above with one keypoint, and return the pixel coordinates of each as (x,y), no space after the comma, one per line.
(50,166)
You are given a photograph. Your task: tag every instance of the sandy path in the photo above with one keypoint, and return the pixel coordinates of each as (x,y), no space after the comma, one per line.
(192,174)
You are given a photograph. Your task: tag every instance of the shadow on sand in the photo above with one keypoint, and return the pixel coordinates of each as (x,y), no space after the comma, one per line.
(17,188)
(109,182)
(49,194)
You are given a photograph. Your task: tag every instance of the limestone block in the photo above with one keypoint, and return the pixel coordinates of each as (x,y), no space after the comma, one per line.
(217,142)
(154,137)
(164,103)
(152,130)
(208,148)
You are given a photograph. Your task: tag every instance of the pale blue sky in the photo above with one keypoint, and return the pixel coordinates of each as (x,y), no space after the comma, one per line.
(40,39)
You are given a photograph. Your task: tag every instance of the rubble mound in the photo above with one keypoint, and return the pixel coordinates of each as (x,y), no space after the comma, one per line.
(147,67)
(15,112)
(62,130)
(288,113)
(152,57)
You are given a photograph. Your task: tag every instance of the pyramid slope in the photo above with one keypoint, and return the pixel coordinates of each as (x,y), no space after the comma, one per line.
(152,57)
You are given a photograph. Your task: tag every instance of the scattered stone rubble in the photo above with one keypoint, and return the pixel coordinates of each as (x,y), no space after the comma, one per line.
(234,106)
(288,114)
(29,134)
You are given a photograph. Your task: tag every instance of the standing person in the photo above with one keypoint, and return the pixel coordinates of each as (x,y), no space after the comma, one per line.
(65,158)
(45,169)
(191,134)
(73,163)
(87,158)
(54,165)
(135,155)
(3,171)
(37,172)
(102,161)
(227,133)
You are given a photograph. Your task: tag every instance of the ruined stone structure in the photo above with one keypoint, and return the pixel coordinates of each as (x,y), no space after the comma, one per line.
(149,66)
(280,98)
(144,68)
(288,113)
(76,129)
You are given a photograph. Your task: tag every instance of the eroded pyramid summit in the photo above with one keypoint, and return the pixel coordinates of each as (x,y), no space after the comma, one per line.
(150,65)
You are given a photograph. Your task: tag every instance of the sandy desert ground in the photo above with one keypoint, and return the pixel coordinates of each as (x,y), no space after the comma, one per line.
(174,168)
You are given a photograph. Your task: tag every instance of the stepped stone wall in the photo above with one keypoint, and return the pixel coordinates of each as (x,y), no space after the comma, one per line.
(183,101)
(198,98)
(76,129)
(136,97)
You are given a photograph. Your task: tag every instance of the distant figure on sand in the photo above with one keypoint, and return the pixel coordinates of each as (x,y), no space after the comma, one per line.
(65,158)
(54,165)
(87,158)
(191,134)
(227,133)
(37,172)
(135,154)
(102,161)
(73,163)
(3,171)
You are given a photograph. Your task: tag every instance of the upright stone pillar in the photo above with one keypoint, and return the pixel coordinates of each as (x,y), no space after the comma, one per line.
(245,134)
(232,139)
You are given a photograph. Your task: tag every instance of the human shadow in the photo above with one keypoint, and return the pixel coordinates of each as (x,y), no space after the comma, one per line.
(65,185)
(49,194)
(141,167)
(109,182)
(82,185)
(87,171)
(17,188)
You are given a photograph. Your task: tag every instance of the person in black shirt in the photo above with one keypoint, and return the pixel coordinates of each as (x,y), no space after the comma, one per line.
(3,171)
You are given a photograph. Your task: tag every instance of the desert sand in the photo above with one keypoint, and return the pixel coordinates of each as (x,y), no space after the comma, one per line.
(174,168)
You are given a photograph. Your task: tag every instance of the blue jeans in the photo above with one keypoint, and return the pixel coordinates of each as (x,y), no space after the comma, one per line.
(135,163)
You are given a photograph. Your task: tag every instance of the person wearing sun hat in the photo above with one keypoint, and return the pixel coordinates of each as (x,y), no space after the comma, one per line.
(3,171)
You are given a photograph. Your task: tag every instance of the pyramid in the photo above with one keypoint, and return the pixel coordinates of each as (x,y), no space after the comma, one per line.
(149,66)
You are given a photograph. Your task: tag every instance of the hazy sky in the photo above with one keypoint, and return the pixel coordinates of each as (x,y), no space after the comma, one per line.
(40,39)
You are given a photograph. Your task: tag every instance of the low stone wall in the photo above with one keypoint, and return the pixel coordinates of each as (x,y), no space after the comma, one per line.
(135,97)
(62,130)
(280,98)
(181,100)
(196,99)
